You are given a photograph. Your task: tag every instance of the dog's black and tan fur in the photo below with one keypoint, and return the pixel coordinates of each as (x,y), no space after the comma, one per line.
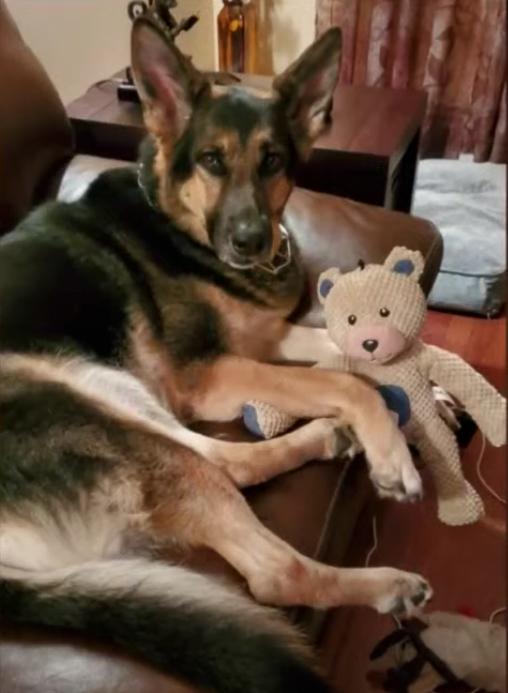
(142,307)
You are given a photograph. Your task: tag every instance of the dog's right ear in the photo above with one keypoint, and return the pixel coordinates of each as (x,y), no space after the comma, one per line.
(167,82)
(306,89)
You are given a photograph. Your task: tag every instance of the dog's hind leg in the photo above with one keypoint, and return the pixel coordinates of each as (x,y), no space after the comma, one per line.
(202,507)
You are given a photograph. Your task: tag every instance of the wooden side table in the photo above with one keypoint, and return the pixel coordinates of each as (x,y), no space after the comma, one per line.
(369,154)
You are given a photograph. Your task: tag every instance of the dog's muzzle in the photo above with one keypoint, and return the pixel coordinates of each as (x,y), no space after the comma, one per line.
(277,263)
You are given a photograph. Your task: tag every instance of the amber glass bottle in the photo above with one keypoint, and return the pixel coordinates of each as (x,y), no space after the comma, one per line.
(236,25)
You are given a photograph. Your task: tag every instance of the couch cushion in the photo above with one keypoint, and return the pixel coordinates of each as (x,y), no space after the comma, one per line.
(80,172)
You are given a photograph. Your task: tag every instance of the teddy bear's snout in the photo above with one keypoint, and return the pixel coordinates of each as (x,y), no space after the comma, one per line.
(370,345)
(373,342)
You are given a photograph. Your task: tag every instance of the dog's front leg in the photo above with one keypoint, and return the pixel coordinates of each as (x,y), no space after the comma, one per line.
(221,388)
(305,345)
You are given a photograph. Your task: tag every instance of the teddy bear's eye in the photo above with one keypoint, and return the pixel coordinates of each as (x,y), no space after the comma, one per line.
(351,319)
(384,312)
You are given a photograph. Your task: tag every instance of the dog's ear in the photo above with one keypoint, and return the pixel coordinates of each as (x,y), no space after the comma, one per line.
(167,82)
(306,89)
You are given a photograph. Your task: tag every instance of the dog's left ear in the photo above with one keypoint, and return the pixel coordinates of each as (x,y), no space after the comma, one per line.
(306,89)
(167,82)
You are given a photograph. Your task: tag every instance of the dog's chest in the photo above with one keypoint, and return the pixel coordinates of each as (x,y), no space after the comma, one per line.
(248,329)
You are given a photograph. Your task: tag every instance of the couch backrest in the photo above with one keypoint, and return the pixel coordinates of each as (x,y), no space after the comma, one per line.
(35,135)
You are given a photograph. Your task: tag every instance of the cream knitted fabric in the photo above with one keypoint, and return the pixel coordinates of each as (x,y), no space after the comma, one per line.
(374,316)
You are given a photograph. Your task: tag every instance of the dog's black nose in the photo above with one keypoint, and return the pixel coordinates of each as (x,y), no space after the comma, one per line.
(370,345)
(250,238)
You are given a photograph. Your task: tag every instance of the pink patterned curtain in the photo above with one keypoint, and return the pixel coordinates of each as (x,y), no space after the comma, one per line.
(454,49)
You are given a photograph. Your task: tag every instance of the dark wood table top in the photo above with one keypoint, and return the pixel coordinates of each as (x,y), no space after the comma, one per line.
(367,121)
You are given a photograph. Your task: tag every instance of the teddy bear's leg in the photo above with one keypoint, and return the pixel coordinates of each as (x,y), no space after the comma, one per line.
(265,421)
(458,502)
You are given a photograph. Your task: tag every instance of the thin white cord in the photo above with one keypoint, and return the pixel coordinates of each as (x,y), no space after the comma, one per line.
(479,473)
(372,551)
(375,544)
(495,614)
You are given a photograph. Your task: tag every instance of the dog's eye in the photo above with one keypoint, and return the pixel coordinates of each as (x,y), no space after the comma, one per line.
(351,319)
(213,163)
(384,312)
(272,163)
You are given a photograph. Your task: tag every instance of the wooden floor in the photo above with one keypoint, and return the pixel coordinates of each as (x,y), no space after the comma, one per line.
(465,565)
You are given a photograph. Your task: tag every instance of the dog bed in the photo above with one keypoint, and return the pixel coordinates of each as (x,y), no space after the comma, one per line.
(467,202)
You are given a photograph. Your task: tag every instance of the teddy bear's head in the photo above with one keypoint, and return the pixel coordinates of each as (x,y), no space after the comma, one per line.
(375,311)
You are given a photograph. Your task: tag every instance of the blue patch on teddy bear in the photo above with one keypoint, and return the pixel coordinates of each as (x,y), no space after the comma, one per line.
(325,287)
(250,419)
(397,401)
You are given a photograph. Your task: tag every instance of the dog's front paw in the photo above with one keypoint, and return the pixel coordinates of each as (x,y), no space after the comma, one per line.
(339,441)
(394,474)
(403,594)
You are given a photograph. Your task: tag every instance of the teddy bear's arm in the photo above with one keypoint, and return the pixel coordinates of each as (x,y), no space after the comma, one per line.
(481,400)
(266,421)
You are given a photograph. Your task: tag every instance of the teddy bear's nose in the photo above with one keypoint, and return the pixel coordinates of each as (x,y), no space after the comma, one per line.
(370,345)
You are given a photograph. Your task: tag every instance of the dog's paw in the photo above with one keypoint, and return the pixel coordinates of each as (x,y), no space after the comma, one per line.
(395,475)
(404,594)
(339,441)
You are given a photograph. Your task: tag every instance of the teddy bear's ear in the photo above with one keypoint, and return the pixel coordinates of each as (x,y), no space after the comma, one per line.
(404,261)
(326,282)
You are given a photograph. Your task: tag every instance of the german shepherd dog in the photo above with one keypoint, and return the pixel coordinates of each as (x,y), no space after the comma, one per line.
(137,309)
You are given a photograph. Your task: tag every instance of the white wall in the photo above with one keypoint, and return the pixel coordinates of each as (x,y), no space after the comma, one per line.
(80,42)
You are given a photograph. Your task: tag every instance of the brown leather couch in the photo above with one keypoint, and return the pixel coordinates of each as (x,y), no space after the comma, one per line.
(315,508)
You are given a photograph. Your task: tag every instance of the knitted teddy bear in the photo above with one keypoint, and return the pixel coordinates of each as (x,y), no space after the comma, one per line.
(374,315)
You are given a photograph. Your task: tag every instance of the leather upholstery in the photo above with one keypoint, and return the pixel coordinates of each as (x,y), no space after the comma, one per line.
(35,136)
(302,507)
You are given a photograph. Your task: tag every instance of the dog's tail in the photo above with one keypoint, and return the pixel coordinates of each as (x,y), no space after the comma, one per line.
(180,621)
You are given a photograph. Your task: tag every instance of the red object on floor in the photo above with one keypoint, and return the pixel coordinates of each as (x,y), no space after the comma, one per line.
(466,611)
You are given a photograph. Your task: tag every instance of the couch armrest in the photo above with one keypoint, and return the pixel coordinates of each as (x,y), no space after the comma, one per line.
(35,135)
(333,231)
